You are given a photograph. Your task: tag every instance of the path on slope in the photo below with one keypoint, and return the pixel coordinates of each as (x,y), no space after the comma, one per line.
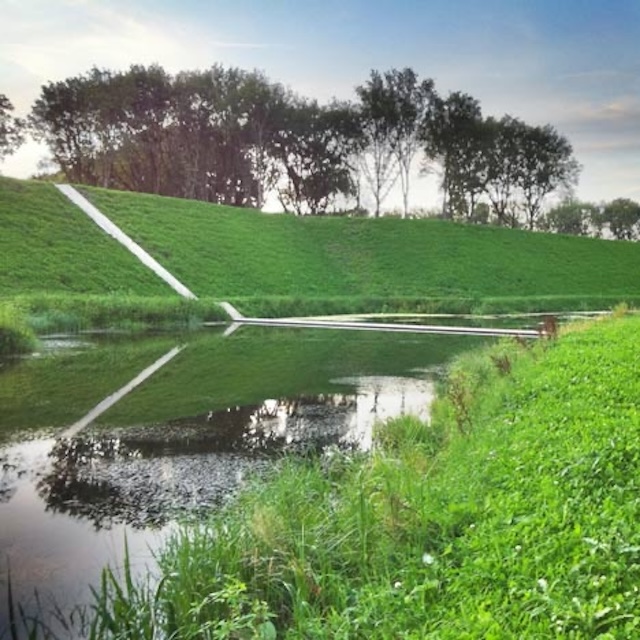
(115,232)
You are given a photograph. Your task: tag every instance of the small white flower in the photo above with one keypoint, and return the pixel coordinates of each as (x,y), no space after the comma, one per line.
(543,584)
(518,548)
(427,559)
(397,584)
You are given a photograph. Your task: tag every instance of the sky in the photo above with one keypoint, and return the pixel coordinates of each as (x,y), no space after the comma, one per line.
(574,64)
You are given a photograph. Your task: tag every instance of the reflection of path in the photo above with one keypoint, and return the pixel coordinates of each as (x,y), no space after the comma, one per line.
(118,395)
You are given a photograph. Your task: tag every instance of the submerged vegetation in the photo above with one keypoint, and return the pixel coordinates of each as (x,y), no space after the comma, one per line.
(511,515)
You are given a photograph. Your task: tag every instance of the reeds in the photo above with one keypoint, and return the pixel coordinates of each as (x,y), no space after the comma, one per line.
(16,336)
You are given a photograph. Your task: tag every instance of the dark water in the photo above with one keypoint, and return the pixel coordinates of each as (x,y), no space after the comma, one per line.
(74,480)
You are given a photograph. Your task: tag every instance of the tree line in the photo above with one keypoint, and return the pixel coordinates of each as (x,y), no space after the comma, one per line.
(231,136)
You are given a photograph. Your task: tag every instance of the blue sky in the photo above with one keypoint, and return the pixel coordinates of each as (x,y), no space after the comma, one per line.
(572,63)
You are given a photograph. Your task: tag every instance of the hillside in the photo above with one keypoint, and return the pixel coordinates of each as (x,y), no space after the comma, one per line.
(245,256)
(48,244)
(226,253)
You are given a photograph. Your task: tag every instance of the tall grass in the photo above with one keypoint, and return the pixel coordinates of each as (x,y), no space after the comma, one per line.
(16,336)
(73,312)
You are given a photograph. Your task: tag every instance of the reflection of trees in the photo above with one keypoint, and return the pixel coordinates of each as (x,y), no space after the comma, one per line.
(147,473)
(7,482)
(68,486)
(12,471)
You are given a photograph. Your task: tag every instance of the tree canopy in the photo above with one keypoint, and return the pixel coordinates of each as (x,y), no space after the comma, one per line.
(231,136)
(11,128)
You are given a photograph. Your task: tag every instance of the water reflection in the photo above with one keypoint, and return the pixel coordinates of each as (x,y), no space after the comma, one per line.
(181,442)
(144,475)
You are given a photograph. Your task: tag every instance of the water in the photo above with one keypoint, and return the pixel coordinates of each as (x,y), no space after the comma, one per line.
(76,479)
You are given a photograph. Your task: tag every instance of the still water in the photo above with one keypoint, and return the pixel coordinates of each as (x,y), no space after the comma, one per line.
(103,438)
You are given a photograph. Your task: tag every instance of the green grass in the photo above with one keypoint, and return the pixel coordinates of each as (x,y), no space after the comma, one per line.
(277,265)
(48,245)
(229,253)
(16,336)
(55,312)
(513,515)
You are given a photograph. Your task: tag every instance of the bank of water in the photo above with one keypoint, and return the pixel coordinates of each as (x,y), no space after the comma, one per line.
(178,444)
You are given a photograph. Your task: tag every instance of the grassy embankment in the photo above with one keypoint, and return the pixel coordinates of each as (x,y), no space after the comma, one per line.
(514,515)
(63,272)
(59,271)
(282,265)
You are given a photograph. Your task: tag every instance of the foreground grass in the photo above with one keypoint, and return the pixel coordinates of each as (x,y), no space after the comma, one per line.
(513,515)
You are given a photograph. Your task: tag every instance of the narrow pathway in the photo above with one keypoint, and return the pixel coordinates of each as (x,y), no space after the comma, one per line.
(115,232)
(313,323)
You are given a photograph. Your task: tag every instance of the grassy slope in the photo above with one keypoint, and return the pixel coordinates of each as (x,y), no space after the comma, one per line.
(223,252)
(48,244)
(526,527)
(261,261)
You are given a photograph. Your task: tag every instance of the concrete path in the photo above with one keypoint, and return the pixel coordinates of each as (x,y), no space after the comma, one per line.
(314,323)
(115,232)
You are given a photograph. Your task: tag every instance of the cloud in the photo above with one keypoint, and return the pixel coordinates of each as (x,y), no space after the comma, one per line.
(623,109)
(46,44)
(600,75)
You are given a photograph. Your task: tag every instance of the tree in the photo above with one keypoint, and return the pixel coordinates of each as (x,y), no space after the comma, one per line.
(312,157)
(623,218)
(11,129)
(262,106)
(504,166)
(412,102)
(570,217)
(545,163)
(63,118)
(378,118)
(209,137)
(453,136)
